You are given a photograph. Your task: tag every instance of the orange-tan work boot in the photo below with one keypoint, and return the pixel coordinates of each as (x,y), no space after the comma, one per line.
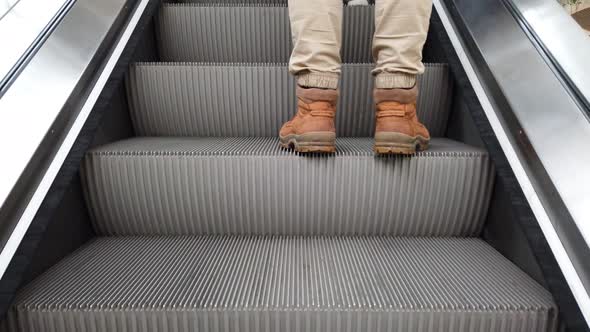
(312,128)
(397,128)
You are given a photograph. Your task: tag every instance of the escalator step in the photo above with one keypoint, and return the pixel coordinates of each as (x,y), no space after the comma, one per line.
(241,2)
(225,283)
(191,99)
(187,186)
(248,33)
(233,2)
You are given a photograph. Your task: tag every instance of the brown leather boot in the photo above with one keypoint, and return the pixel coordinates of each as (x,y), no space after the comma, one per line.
(398,129)
(312,128)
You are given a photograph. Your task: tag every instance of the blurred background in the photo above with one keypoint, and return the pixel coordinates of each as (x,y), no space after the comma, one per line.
(580,11)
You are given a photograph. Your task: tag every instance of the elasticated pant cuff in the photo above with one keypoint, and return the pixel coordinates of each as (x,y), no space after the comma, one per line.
(395,81)
(318,80)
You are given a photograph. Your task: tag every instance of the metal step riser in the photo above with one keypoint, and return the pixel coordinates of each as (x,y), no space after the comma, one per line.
(251,2)
(234,2)
(274,283)
(199,33)
(238,100)
(148,193)
(288,320)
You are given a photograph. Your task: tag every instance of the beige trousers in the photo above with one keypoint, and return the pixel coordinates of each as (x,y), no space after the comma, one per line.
(400,32)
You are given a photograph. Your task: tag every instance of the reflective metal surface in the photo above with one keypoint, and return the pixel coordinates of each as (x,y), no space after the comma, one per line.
(5,6)
(23,24)
(566,44)
(539,125)
(41,114)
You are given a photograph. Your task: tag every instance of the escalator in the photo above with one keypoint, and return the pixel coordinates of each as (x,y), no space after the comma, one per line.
(180,212)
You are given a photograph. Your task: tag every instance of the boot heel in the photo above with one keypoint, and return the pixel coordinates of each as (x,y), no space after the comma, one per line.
(323,142)
(398,143)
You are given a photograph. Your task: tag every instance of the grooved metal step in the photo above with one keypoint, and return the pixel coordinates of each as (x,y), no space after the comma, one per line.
(235,2)
(241,2)
(191,99)
(249,33)
(284,284)
(256,2)
(182,186)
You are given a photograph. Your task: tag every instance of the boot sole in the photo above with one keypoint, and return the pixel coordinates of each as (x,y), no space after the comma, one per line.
(398,143)
(323,142)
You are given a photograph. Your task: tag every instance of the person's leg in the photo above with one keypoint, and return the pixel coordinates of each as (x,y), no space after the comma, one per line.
(316,29)
(401,27)
(315,62)
(400,33)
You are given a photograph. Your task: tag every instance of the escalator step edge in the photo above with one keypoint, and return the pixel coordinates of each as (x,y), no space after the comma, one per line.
(284,283)
(249,185)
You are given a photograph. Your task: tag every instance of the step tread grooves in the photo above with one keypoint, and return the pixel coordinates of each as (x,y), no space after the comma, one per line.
(226,32)
(410,261)
(267,146)
(406,278)
(249,185)
(256,99)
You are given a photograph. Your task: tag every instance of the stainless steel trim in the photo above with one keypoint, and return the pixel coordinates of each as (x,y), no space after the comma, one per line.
(539,126)
(561,37)
(22,26)
(36,100)
(5,6)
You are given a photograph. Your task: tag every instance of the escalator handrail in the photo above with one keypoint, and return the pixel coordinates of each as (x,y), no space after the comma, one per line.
(538,124)
(23,29)
(559,37)
(45,108)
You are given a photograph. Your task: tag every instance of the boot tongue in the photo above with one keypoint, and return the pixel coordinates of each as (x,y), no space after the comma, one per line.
(310,101)
(321,105)
(403,96)
(391,108)
(317,108)
(311,95)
